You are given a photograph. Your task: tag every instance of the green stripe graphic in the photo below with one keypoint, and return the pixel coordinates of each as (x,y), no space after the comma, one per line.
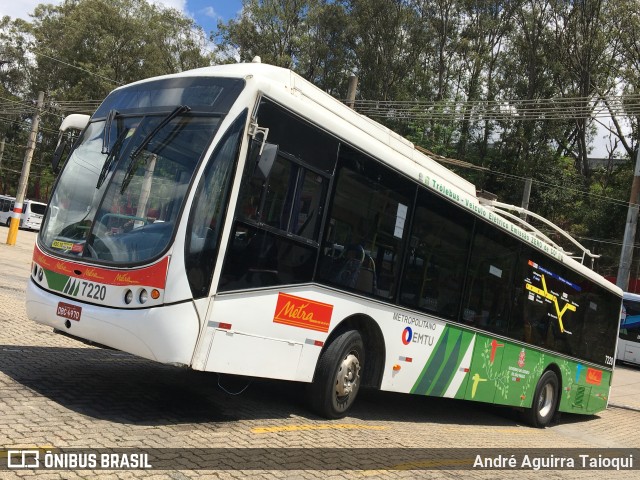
(442,366)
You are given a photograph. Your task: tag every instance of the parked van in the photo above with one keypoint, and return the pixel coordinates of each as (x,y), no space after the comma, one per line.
(32,212)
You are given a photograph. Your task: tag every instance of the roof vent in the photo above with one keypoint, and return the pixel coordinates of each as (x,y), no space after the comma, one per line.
(256,59)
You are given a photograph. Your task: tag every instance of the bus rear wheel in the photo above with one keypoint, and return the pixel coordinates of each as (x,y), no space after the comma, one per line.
(545,401)
(338,376)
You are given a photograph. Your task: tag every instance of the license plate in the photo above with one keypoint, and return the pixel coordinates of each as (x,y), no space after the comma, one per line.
(66,310)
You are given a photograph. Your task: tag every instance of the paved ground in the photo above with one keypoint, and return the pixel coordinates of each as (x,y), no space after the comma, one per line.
(60,394)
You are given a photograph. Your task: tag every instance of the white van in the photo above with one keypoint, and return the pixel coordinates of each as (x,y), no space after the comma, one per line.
(32,212)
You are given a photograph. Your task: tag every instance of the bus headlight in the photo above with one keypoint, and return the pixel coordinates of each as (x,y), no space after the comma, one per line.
(128,297)
(144,296)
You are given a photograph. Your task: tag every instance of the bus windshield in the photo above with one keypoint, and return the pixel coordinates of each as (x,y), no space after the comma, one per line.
(121,192)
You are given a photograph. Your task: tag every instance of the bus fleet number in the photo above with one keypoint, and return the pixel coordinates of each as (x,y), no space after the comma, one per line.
(608,360)
(91,290)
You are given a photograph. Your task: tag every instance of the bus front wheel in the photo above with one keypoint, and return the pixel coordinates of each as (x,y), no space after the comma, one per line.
(545,401)
(338,376)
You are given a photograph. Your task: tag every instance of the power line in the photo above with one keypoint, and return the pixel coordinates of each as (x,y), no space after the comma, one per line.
(470,166)
(37,52)
(567,108)
(17,122)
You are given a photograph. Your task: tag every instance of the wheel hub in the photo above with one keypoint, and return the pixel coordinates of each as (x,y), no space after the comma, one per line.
(348,375)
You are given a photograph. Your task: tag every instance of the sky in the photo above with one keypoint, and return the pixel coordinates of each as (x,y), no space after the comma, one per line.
(206,13)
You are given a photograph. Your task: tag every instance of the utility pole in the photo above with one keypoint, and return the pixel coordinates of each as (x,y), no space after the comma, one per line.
(351,91)
(24,176)
(626,255)
(1,155)
(526,194)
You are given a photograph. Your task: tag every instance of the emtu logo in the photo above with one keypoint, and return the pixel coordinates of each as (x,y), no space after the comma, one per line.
(407,335)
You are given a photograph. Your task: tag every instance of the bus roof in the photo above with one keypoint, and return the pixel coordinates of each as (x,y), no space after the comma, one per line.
(631,296)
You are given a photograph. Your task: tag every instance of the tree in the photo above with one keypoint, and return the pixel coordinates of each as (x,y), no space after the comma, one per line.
(81,50)
(110,43)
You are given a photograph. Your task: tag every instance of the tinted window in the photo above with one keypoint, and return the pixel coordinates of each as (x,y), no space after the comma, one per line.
(209,208)
(367,227)
(558,309)
(298,138)
(37,208)
(290,199)
(199,93)
(630,322)
(259,258)
(281,205)
(437,256)
(489,288)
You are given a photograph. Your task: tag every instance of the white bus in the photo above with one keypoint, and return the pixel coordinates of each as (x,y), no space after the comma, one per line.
(237,219)
(629,341)
(31,216)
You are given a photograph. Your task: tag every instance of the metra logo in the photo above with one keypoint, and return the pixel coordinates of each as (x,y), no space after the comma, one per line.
(407,335)
(63,267)
(296,311)
(125,278)
(303,313)
(594,377)
(93,273)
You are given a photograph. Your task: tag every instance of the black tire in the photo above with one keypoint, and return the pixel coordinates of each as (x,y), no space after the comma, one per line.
(338,376)
(545,401)
(8,223)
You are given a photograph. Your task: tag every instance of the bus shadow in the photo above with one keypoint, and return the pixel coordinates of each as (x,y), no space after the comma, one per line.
(110,385)
(118,387)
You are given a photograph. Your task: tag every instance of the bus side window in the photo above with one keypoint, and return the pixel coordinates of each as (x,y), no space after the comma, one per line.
(438,251)
(279,213)
(205,222)
(489,287)
(368,227)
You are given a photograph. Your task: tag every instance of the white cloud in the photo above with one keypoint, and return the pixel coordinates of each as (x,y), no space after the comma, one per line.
(177,4)
(209,12)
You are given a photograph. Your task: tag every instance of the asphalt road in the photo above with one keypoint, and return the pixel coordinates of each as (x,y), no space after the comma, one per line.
(57,394)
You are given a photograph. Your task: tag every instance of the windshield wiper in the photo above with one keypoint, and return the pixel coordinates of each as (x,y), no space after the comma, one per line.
(106,135)
(134,162)
(113,154)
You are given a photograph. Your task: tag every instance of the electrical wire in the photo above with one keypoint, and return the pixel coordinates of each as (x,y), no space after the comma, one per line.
(37,52)
(567,108)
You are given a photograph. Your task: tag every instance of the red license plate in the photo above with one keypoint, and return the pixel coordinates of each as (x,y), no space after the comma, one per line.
(66,310)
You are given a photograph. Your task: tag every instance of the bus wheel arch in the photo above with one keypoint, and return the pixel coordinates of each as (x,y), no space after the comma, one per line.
(546,398)
(352,356)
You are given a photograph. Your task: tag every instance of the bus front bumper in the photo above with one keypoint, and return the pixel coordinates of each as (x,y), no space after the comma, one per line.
(166,334)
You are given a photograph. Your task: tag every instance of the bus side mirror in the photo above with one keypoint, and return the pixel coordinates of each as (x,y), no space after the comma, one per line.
(76,122)
(265,160)
(266,152)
